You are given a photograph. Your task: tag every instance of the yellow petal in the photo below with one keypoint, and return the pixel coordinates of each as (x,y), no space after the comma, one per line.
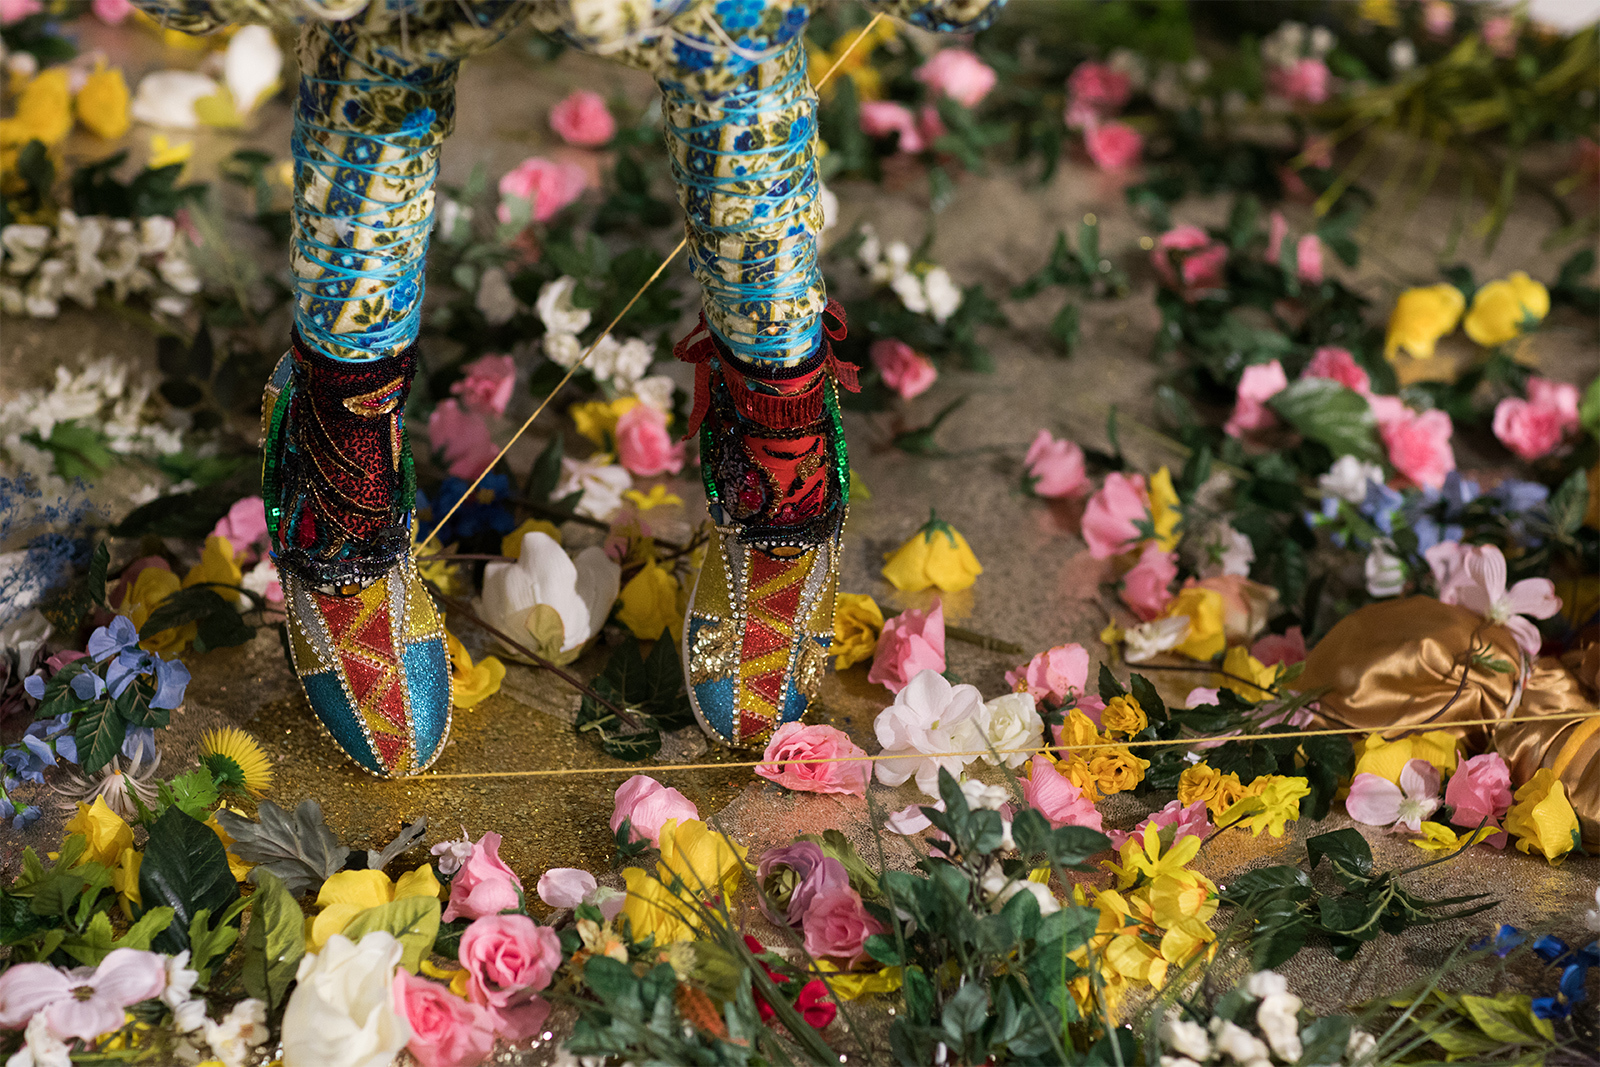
(1204,609)
(511,543)
(907,569)
(417,883)
(650,603)
(331,920)
(1420,318)
(1164,514)
(216,566)
(1386,759)
(363,889)
(102,103)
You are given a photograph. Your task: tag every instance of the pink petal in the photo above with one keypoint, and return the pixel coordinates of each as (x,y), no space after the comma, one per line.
(26,989)
(87,1019)
(1534,597)
(1373,800)
(1487,567)
(1419,778)
(1526,633)
(565,887)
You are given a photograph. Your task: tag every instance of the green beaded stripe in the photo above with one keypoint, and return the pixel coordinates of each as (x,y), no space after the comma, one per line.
(841,457)
(270,454)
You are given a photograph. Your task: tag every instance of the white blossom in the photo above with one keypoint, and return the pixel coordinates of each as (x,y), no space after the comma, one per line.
(1278,1016)
(1144,642)
(251,67)
(167,98)
(1238,1043)
(908,287)
(1359,1049)
(495,299)
(1187,1037)
(632,360)
(944,296)
(602,485)
(1226,551)
(1402,55)
(1264,984)
(556,309)
(244,1028)
(1348,477)
(1011,723)
(42,1048)
(1591,918)
(656,391)
(342,1010)
(1386,572)
(563,349)
(180,979)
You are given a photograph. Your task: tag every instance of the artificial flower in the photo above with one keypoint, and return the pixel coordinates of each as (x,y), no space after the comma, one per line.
(1246,675)
(1145,858)
(1481,588)
(705,860)
(583,119)
(1420,317)
(472,683)
(1055,467)
(43,111)
(1418,443)
(511,543)
(1145,588)
(1225,552)
(125,880)
(1205,636)
(1379,802)
(906,371)
(487,384)
(484,885)
(168,98)
(1535,427)
(1185,820)
(1144,642)
(1436,837)
(342,1008)
(347,894)
(1099,88)
(233,1037)
(244,526)
(463,438)
(857,621)
(546,186)
(548,601)
(236,866)
(1304,81)
(1338,365)
(881,118)
(1054,676)
(837,925)
(929,723)
(1505,308)
(1258,384)
(1111,518)
(102,103)
(1246,605)
(1308,259)
(647,805)
(1386,759)
(509,958)
(103,830)
(1542,819)
(216,570)
(959,74)
(1113,146)
(910,643)
(1165,517)
(936,556)
(1202,782)
(1195,256)
(793,876)
(446,1031)
(658,497)
(1058,798)
(1123,715)
(235,758)
(644,446)
(165,153)
(1348,479)
(1287,648)
(252,66)
(1012,727)
(1269,802)
(1479,793)
(649,603)
(1116,769)
(848,771)
(150,587)
(80,1005)
(653,911)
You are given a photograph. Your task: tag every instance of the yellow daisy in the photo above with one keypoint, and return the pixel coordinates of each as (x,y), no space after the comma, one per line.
(235,759)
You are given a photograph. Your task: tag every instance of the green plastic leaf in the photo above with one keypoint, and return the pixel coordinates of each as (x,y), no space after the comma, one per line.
(274,941)
(1346,850)
(298,848)
(97,573)
(185,868)
(965,1012)
(1570,502)
(100,732)
(1330,413)
(414,921)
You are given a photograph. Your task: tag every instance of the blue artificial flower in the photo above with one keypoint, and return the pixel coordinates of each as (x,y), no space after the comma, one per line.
(1380,505)
(484,512)
(33,685)
(26,762)
(108,640)
(1506,938)
(130,663)
(1549,1008)
(7,809)
(1457,492)
(140,743)
(87,685)
(1519,496)
(49,728)
(67,748)
(1550,948)
(740,14)
(171,679)
(26,817)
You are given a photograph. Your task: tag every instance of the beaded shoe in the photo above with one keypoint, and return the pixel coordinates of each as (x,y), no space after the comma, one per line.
(777,483)
(363,634)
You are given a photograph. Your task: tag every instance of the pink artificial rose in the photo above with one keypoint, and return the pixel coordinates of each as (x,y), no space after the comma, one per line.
(112,12)
(1185,822)
(463,437)
(446,1031)
(1099,87)
(484,885)
(1057,797)
(1559,397)
(794,741)
(911,642)
(17,10)
(1308,259)
(509,958)
(565,887)
(1277,230)
(1480,792)
(1438,17)
(1287,649)
(1500,34)
(1055,467)
(1532,432)
(1189,252)
(1053,677)
(837,926)
(880,118)
(1259,383)
(1338,365)
(548,185)
(1145,587)
(930,127)
(1109,517)
(905,370)
(243,526)
(1418,444)
(487,387)
(647,804)
(1113,146)
(582,119)
(958,74)
(644,446)
(1306,81)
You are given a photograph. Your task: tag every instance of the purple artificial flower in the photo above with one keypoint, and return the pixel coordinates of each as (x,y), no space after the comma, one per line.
(129,664)
(119,636)
(87,685)
(172,677)
(33,685)
(814,874)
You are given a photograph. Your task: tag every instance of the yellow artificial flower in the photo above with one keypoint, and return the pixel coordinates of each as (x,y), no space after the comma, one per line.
(1437,837)
(1379,13)
(236,866)
(236,758)
(1118,770)
(1387,759)
(349,893)
(1505,308)
(217,568)
(1124,715)
(703,858)
(857,622)
(653,911)
(1204,782)
(1541,817)
(1165,517)
(511,543)
(937,556)
(149,589)
(852,985)
(454,977)
(1185,940)
(1204,610)
(43,111)
(105,831)
(1174,899)
(125,880)
(659,497)
(650,603)
(164,153)
(1269,803)
(1141,855)
(1075,769)
(597,419)
(102,103)
(472,683)
(1111,636)
(1420,317)
(1246,675)
(1132,958)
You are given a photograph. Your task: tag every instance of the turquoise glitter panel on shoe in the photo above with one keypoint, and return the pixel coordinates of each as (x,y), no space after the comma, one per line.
(329,701)
(427,667)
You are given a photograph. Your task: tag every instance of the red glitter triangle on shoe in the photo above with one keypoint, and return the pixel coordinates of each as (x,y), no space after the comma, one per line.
(764,568)
(768,685)
(376,635)
(392,706)
(391,748)
(338,612)
(363,675)
(783,603)
(760,639)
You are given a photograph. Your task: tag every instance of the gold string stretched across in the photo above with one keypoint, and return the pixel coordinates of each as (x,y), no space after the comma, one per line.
(420,545)
(635,768)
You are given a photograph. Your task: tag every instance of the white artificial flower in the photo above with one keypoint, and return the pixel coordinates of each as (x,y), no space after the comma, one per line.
(23,246)
(602,361)
(1011,723)
(602,486)
(1178,1061)
(656,390)
(1148,640)
(178,272)
(180,979)
(251,67)
(1386,572)
(495,298)
(929,721)
(630,363)
(1359,1049)
(556,309)
(910,820)
(1402,55)
(1226,551)
(985,797)
(1263,984)
(1591,918)
(547,600)
(871,249)
(41,1048)
(452,854)
(22,65)
(1238,1043)
(189,1016)
(244,1028)
(908,287)
(1187,1037)
(944,296)
(563,349)
(452,214)
(1278,1016)
(1048,904)
(167,98)
(258,579)
(1348,477)
(1322,41)
(156,233)
(342,1009)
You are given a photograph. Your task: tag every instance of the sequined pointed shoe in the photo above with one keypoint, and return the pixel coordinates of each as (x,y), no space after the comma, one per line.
(363,633)
(777,482)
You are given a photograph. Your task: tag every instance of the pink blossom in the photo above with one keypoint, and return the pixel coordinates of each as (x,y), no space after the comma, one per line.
(17,10)
(1500,34)
(1057,797)
(1201,696)
(484,885)
(647,804)
(1481,587)
(1418,443)
(1286,649)
(1277,230)
(1145,587)
(547,185)
(1308,259)
(82,1004)
(1376,801)
(644,446)
(1338,365)
(244,526)
(582,119)
(1099,87)
(1306,81)
(880,118)
(1092,705)
(509,958)
(112,12)
(911,642)
(1259,383)
(463,437)
(1113,146)
(1055,467)
(1480,793)
(1438,16)
(905,370)
(1189,252)
(794,741)
(446,1031)
(958,74)
(1559,397)
(929,125)
(565,887)
(815,874)
(1535,427)
(1053,677)
(1192,821)
(1446,560)
(909,820)
(837,926)
(487,387)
